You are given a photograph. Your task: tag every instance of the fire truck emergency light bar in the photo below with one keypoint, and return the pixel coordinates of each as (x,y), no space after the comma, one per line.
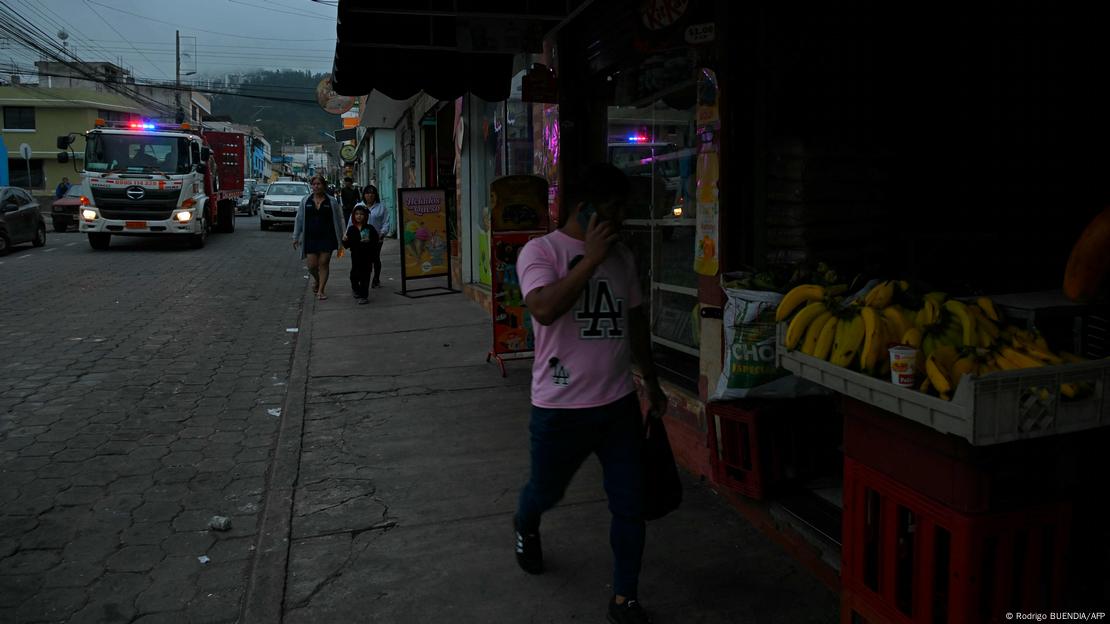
(139,125)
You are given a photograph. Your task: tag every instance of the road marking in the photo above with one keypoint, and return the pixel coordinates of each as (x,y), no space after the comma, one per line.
(70,244)
(48,250)
(23,256)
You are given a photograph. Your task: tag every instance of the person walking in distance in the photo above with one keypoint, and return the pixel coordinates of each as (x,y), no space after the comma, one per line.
(348,195)
(362,240)
(581,287)
(318,229)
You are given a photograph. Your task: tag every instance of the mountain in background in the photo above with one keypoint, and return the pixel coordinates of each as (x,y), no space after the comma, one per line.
(289,111)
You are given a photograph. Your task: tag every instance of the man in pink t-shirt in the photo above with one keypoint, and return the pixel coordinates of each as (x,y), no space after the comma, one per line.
(581,287)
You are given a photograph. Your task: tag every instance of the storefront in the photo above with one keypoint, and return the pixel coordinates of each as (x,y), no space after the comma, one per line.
(762,140)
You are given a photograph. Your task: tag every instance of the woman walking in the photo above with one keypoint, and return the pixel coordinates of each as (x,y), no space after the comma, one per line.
(318,229)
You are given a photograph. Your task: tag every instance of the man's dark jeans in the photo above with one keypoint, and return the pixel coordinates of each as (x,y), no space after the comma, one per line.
(561,439)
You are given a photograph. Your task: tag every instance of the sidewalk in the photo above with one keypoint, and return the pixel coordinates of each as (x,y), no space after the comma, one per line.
(396,479)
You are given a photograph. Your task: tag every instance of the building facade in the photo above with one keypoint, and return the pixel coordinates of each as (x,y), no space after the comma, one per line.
(37,115)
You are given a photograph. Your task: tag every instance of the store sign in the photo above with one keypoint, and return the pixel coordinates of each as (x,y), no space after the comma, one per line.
(659,14)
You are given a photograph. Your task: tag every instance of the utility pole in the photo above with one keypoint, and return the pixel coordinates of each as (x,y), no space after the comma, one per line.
(177,75)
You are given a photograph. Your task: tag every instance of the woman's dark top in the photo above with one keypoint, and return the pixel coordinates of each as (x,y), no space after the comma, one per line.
(319,229)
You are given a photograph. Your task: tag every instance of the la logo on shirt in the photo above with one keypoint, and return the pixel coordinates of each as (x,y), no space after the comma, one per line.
(601,315)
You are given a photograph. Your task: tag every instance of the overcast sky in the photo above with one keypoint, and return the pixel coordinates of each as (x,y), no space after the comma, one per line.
(230,35)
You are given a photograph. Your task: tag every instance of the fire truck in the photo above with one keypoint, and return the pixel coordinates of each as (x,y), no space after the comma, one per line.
(149,179)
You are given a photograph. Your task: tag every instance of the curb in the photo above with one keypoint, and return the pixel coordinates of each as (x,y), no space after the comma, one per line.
(265,596)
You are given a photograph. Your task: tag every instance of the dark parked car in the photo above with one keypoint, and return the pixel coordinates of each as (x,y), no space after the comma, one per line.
(20,219)
(64,210)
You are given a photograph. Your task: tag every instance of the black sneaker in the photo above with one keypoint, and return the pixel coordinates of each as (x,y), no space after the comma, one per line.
(529,553)
(628,613)
(376,285)
(362,301)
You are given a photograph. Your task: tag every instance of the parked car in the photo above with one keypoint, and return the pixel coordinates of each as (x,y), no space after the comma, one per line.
(64,211)
(20,219)
(281,202)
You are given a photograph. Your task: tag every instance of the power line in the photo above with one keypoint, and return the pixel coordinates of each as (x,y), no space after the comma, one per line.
(109,24)
(23,31)
(272,9)
(235,35)
(46,7)
(171,87)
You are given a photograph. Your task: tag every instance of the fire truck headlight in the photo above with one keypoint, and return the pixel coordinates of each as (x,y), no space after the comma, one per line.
(88,215)
(184,216)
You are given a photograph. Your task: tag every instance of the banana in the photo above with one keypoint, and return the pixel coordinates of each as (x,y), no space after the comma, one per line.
(926,386)
(1071,358)
(987,306)
(928,344)
(963,366)
(797,327)
(936,296)
(898,319)
(946,356)
(825,339)
(903,285)
(809,342)
(880,295)
(1047,356)
(804,293)
(912,337)
(985,341)
(870,338)
(1022,360)
(959,310)
(847,340)
(937,376)
(929,314)
(1004,364)
(951,334)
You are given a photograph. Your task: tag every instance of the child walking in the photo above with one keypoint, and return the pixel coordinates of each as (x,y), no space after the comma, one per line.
(362,239)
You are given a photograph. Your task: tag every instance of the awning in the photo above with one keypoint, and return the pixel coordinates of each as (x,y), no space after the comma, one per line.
(399,48)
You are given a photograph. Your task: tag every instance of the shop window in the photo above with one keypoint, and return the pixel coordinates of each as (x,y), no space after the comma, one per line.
(501,144)
(654,142)
(111,116)
(17,173)
(19,118)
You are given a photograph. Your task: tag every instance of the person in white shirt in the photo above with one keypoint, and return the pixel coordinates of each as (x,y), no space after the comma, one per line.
(371,202)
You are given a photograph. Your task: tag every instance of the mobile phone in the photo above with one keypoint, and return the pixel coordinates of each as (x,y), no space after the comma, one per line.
(584,215)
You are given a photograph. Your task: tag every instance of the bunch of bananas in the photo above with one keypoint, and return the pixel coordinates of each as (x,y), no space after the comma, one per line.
(953,338)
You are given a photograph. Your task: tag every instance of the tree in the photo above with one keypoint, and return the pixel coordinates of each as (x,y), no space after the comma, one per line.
(291,111)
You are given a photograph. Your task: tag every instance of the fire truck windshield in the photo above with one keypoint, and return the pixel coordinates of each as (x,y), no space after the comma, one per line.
(136,153)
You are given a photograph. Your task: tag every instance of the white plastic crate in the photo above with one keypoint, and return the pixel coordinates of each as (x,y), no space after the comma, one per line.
(995,408)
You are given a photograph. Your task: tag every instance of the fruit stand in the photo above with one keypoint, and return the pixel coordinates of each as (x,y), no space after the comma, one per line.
(922,477)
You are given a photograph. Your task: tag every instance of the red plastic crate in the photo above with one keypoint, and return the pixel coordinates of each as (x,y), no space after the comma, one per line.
(948,469)
(737,449)
(907,559)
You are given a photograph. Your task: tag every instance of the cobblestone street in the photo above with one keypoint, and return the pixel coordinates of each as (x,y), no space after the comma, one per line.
(140,395)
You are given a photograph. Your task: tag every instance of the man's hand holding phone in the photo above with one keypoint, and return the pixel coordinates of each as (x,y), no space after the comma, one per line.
(600,236)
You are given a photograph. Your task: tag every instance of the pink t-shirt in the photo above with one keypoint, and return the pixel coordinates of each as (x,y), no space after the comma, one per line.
(583,359)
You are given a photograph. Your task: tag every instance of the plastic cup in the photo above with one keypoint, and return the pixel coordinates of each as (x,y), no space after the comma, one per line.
(902,365)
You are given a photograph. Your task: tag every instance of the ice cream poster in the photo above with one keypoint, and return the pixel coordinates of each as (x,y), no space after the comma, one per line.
(423,232)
